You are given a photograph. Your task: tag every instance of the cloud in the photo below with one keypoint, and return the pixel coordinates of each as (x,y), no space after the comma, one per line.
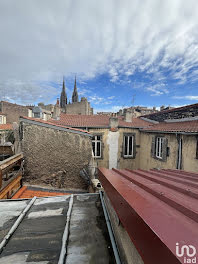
(44,40)
(112,109)
(187,97)
(157,89)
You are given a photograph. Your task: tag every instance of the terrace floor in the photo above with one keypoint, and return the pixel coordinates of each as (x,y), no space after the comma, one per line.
(38,238)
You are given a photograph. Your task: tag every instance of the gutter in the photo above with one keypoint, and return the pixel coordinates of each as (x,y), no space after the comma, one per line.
(169,132)
(107,219)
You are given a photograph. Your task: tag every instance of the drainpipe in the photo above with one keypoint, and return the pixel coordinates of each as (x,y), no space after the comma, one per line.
(180,153)
(113,243)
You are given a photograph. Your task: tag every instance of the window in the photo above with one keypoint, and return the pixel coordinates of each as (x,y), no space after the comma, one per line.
(159,147)
(128,146)
(97,146)
(1,120)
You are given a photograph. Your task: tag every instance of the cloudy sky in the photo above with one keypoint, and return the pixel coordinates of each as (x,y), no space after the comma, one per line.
(122,51)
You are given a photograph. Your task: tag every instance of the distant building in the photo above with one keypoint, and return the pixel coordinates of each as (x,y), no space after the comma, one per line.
(76,107)
(138,111)
(14,111)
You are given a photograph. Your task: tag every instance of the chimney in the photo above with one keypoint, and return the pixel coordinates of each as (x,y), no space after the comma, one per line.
(162,108)
(113,122)
(128,116)
(57,102)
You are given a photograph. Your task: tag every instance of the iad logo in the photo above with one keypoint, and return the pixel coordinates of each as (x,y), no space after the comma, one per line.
(189,251)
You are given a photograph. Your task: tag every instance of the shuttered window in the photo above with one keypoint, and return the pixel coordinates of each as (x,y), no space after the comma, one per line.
(159,148)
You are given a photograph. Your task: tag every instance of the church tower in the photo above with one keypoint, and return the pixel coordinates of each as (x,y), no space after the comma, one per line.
(75,93)
(63,98)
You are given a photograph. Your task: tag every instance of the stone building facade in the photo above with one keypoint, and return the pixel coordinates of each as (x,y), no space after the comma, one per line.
(115,139)
(54,155)
(141,143)
(14,111)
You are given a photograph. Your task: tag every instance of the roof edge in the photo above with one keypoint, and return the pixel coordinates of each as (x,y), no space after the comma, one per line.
(54,126)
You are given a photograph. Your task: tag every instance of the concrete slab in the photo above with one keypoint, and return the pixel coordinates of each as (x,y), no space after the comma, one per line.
(38,238)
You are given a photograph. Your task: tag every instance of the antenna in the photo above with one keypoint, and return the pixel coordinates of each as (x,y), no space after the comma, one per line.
(133,100)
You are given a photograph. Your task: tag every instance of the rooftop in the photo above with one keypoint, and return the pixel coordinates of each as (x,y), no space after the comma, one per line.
(173,110)
(186,126)
(158,208)
(6,127)
(31,191)
(39,236)
(97,121)
(51,124)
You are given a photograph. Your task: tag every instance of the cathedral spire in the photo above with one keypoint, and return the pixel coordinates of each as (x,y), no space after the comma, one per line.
(75,93)
(63,98)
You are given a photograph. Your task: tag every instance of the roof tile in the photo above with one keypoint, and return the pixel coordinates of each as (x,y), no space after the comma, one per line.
(96,121)
(53,123)
(6,127)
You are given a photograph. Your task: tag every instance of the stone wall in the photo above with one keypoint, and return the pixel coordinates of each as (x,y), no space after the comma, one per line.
(178,113)
(82,108)
(13,111)
(188,162)
(54,157)
(112,148)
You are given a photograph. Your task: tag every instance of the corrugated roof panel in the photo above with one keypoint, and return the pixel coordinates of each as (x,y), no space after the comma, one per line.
(157,209)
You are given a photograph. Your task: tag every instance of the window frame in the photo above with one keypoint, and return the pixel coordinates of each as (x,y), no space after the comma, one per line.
(133,150)
(160,145)
(196,156)
(95,141)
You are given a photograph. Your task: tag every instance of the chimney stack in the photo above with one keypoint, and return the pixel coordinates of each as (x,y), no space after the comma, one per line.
(58,102)
(128,116)
(113,122)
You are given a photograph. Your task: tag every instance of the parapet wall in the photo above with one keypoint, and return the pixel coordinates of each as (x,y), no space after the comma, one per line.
(54,157)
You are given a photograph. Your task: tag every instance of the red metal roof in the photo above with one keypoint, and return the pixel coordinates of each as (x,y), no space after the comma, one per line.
(186,126)
(6,127)
(157,208)
(53,124)
(97,121)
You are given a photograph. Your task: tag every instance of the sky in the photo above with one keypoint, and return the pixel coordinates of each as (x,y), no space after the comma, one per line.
(123,52)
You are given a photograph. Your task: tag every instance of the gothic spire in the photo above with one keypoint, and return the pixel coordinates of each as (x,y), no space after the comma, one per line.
(63,98)
(75,93)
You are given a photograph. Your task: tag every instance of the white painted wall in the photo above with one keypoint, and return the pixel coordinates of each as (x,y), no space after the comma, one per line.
(112,141)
